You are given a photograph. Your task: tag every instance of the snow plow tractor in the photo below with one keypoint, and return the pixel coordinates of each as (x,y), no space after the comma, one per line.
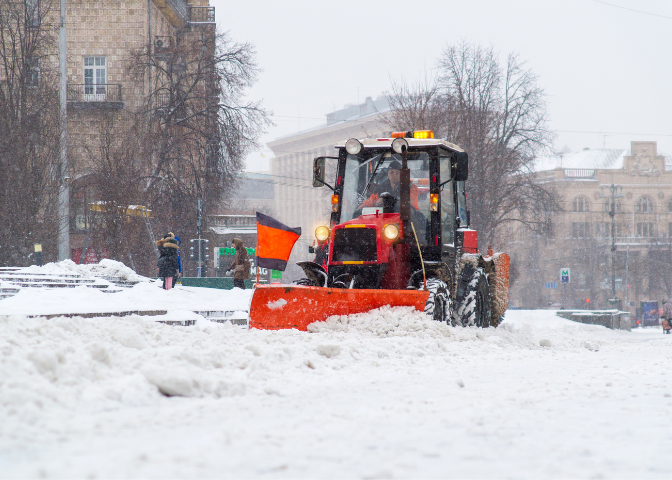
(399,235)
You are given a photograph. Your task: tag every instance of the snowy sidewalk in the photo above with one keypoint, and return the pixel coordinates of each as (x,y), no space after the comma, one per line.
(387,394)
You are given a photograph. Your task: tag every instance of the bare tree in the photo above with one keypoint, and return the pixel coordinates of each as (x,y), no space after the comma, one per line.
(186,142)
(28,130)
(497,113)
(197,124)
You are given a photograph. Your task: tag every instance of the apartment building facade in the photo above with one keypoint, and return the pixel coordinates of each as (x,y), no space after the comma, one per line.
(106,95)
(635,184)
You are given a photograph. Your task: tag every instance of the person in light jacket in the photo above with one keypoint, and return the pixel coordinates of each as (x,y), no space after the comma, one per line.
(241,264)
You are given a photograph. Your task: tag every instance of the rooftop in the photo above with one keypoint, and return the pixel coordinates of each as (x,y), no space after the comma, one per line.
(597,159)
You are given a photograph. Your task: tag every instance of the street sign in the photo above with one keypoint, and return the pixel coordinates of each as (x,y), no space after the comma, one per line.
(564,275)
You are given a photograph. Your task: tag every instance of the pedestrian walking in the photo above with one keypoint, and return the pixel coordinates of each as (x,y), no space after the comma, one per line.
(241,264)
(167,265)
(667,315)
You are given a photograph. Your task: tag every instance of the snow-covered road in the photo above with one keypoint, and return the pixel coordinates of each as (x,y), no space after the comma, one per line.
(388,394)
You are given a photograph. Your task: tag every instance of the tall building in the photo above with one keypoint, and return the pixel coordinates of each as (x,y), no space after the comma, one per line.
(111,82)
(297,202)
(636,185)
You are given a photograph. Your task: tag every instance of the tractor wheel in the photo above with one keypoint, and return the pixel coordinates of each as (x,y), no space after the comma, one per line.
(473,299)
(306,282)
(438,303)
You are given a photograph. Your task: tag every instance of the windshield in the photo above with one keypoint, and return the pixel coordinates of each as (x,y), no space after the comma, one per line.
(369,175)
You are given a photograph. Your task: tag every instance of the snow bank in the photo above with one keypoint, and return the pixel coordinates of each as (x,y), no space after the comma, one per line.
(534,330)
(142,296)
(385,393)
(105,269)
(77,363)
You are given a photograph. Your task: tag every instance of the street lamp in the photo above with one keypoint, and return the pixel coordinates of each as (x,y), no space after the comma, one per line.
(616,192)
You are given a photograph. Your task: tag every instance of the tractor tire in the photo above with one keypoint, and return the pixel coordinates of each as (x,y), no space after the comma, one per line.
(438,303)
(306,282)
(473,299)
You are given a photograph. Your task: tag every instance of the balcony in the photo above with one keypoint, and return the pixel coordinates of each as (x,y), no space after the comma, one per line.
(174,10)
(233,224)
(104,96)
(579,173)
(202,15)
(639,241)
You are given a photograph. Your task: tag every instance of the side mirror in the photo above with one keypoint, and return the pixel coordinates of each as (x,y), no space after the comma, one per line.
(318,171)
(461,166)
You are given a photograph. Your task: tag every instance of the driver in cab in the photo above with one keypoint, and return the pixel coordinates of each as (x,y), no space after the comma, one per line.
(391,185)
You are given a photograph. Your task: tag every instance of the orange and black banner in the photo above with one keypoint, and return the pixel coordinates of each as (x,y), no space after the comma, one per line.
(274,242)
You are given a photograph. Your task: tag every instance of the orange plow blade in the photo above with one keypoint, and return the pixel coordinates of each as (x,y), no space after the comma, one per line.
(275,307)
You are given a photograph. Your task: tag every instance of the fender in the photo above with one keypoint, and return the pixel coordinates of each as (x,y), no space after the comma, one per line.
(314,272)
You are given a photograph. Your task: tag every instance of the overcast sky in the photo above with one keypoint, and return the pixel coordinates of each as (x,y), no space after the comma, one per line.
(605,66)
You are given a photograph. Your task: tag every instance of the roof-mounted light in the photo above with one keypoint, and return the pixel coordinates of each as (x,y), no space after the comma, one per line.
(423,134)
(399,145)
(353,146)
(401,135)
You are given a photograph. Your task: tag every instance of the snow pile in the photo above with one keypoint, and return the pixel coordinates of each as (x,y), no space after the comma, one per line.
(142,296)
(99,363)
(388,390)
(108,269)
(384,322)
(542,329)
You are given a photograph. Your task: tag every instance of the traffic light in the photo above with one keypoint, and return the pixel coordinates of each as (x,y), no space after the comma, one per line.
(192,250)
(205,255)
(199,245)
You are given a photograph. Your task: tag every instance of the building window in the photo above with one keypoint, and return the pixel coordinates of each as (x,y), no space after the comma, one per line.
(644,205)
(95,78)
(32,72)
(616,203)
(607,229)
(580,229)
(580,204)
(645,229)
(32,13)
(669,206)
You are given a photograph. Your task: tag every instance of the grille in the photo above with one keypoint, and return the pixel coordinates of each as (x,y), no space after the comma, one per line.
(354,245)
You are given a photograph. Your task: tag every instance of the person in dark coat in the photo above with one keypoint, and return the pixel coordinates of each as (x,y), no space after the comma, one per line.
(167,264)
(321,251)
(241,264)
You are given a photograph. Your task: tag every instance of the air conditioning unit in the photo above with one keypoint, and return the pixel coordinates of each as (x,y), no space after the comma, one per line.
(162,44)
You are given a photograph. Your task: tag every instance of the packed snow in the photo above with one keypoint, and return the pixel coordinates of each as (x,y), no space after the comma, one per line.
(384,394)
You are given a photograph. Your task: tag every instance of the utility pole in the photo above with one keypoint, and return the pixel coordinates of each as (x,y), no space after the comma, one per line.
(64,178)
(200,246)
(627,285)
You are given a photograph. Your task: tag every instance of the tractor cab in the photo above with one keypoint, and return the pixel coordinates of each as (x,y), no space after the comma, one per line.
(366,220)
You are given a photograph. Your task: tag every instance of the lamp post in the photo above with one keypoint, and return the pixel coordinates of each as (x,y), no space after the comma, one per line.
(616,192)
(64,178)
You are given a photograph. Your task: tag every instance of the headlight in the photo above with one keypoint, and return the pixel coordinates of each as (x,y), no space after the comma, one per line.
(399,145)
(391,231)
(353,146)
(322,233)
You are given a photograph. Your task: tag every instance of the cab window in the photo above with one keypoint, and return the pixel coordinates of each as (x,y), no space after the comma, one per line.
(447,201)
